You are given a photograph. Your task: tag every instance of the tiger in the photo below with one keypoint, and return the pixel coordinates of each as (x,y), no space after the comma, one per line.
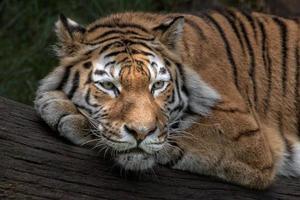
(213,93)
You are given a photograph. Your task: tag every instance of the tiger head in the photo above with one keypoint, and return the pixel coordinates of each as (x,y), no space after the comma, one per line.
(131,84)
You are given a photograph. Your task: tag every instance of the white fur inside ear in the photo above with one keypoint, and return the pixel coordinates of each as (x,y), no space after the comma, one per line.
(72,23)
(201,96)
(69,22)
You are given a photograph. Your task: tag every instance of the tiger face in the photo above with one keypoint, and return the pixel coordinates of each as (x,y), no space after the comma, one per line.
(132,91)
(133,94)
(128,81)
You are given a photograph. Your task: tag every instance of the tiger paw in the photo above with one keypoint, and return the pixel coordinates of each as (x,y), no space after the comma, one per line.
(75,128)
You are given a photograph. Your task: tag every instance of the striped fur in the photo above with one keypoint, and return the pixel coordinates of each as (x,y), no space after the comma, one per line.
(215,93)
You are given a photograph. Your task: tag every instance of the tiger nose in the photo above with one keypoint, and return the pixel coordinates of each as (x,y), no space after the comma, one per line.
(140,133)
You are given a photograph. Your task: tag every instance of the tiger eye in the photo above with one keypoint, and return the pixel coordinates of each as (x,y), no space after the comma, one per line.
(158,85)
(108,85)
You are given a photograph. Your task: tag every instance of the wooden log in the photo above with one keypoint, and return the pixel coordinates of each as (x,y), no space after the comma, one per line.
(36,164)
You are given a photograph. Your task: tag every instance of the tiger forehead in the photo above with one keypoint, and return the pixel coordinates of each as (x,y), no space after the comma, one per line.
(105,29)
(124,67)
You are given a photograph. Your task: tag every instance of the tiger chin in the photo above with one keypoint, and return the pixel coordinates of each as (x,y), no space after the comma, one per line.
(215,93)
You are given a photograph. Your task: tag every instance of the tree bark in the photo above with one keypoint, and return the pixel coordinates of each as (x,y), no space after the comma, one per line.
(36,164)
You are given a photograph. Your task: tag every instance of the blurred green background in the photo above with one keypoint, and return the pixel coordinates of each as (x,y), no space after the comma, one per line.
(26,33)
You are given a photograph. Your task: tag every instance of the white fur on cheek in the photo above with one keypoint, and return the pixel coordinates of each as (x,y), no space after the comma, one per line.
(291,166)
(152,144)
(202,96)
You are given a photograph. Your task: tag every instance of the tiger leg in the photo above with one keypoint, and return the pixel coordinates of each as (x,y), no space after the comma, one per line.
(61,115)
(233,147)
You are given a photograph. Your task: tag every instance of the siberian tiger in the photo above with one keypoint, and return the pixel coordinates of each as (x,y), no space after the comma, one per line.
(215,93)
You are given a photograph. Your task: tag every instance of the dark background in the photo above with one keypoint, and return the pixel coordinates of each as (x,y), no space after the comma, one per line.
(26,32)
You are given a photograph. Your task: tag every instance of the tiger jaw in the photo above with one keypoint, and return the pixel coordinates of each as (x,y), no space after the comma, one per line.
(135,161)
(140,157)
(132,155)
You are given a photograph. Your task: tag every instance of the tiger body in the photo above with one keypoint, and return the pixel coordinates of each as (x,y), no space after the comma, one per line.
(225,101)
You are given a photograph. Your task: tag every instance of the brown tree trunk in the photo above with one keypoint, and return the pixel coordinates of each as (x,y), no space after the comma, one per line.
(34,164)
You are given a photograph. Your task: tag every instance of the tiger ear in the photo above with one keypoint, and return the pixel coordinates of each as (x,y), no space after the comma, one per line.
(170,32)
(69,34)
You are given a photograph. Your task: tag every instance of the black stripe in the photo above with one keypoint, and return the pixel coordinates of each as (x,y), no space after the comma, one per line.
(263,43)
(116,32)
(174,126)
(177,83)
(75,85)
(280,123)
(284,51)
(96,112)
(107,46)
(123,60)
(162,70)
(153,65)
(142,38)
(143,60)
(59,125)
(132,32)
(138,51)
(89,78)
(251,20)
(65,77)
(232,21)
(180,105)
(88,99)
(178,158)
(71,28)
(124,25)
(45,104)
(88,52)
(181,73)
(108,33)
(84,108)
(167,62)
(171,101)
(267,64)
(65,23)
(103,115)
(87,65)
(100,72)
(297,95)
(251,70)
(102,41)
(109,63)
(227,48)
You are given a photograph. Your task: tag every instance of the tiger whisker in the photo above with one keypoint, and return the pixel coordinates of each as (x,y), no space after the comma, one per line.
(89,141)
(172,146)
